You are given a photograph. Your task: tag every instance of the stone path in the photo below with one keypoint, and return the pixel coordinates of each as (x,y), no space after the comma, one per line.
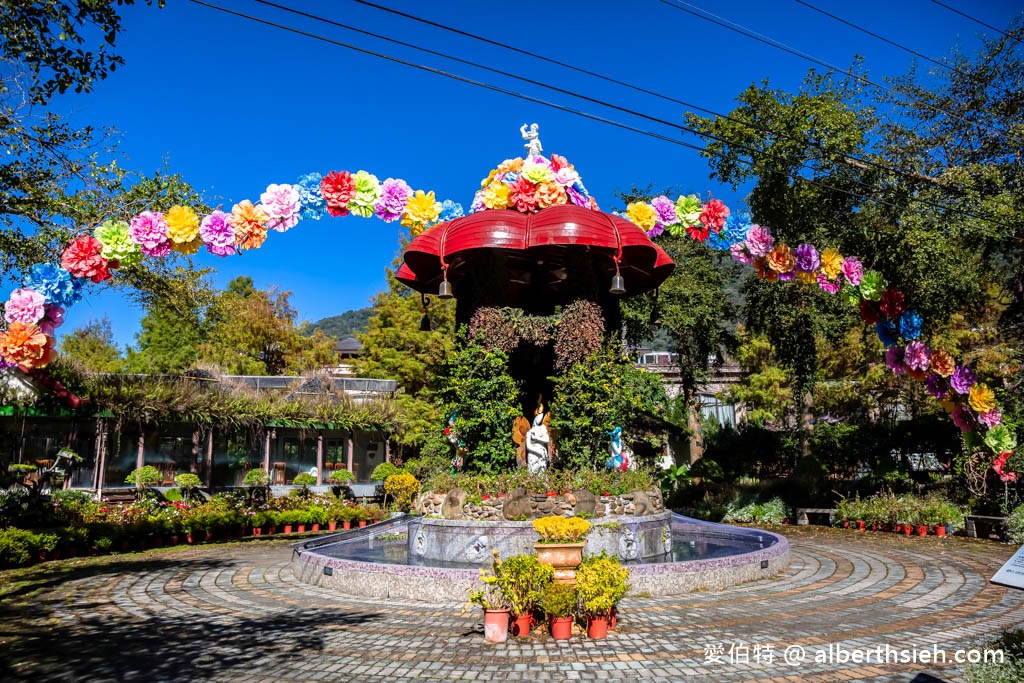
(232,612)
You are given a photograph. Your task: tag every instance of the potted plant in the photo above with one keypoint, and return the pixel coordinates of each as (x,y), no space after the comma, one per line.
(317,516)
(304,480)
(339,478)
(600,583)
(561,544)
(558,602)
(144,478)
(257,484)
(187,484)
(489,596)
(522,580)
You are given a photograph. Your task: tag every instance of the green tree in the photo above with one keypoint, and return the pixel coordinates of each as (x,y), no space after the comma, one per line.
(93,347)
(168,341)
(348,324)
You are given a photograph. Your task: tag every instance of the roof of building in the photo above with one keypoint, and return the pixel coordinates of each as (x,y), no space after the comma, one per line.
(350,345)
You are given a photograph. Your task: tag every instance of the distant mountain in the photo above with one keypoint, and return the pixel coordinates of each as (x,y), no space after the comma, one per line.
(345,325)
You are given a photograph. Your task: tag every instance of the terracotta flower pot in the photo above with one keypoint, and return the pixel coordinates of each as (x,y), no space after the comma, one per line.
(316,527)
(495,625)
(257,531)
(907,529)
(271,530)
(561,628)
(874,526)
(597,626)
(362,523)
(345,526)
(861,525)
(287,528)
(922,530)
(940,530)
(302,528)
(846,524)
(522,625)
(564,557)
(332,526)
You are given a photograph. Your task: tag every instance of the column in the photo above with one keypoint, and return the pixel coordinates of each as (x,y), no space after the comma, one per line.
(351,451)
(319,458)
(142,446)
(266,452)
(101,455)
(209,459)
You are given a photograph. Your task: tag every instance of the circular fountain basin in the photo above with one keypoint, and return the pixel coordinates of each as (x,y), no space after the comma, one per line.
(437,560)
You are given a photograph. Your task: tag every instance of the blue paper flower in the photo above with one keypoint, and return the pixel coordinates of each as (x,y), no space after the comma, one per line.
(719,241)
(886,333)
(910,325)
(56,285)
(310,199)
(450,211)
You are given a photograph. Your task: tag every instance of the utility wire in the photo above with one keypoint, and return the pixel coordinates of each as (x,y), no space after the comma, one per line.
(701,13)
(576,112)
(977,21)
(850,160)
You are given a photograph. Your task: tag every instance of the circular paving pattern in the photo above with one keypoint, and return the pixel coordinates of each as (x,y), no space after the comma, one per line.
(233,612)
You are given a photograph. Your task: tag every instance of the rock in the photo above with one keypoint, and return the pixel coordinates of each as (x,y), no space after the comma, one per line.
(453,502)
(570,499)
(585,502)
(641,503)
(517,504)
(545,508)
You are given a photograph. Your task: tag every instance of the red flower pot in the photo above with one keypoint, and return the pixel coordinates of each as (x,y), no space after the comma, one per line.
(362,523)
(257,531)
(522,625)
(846,524)
(861,525)
(907,529)
(287,528)
(874,526)
(922,530)
(561,628)
(549,494)
(940,530)
(316,527)
(345,526)
(495,625)
(597,627)
(332,526)
(302,528)
(175,540)
(271,530)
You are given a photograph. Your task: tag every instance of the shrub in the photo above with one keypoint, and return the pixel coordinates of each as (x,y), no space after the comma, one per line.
(186,482)
(522,580)
(384,470)
(600,583)
(403,489)
(558,600)
(341,477)
(143,477)
(304,479)
(1015,526)
(1010,670)
(18,547)
(256,477)
(555,529)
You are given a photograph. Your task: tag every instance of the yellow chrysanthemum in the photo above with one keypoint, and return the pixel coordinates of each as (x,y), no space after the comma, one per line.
(421,210)
(496,196)
(981,398)
(831,263)
(182,225)
(642,214)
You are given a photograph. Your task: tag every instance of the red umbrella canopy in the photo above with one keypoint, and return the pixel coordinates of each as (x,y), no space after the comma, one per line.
(534,260)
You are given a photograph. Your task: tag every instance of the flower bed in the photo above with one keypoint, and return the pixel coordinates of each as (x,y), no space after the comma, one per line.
(903,514)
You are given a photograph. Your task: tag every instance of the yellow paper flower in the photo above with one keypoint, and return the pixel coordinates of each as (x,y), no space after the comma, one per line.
(949,405)
(490,176)
(981,398)
(250,224)
(831,263)
(421,210)
(781,259)
(496,196)
(550,194)
(806,278)
(642,215)
(182,225)
(187,248)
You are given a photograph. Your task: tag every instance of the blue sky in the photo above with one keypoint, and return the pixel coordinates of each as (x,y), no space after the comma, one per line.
(234,105)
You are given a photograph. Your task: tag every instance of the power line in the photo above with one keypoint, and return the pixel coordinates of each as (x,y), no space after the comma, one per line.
(563,108)
(977,21)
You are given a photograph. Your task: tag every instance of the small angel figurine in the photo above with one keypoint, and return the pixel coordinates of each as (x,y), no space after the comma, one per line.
(532,137)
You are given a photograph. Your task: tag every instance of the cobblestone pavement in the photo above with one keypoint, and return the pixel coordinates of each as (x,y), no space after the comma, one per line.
(232,612)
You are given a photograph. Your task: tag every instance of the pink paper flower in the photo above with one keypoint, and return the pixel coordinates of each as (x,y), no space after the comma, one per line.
(281,203)
(218,234)
(394,193)
(853,271)
(894,360)
(918,355)
(991,419)
(149,231)
(739,252)
(759,241)
(25,306)
(826,284)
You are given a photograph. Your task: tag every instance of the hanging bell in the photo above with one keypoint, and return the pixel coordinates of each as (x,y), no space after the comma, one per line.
(425,323)
(445,290)
(618,285)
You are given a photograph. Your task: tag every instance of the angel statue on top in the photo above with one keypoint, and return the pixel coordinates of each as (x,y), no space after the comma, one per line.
(532,137)
(534,440)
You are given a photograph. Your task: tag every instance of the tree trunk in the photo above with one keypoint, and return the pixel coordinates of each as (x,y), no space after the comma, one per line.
(806,423)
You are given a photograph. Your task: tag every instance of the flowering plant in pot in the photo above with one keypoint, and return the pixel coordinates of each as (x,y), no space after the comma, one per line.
(600,583)
(340,478)
(558,602)
(561,544)
(522,580)
(488,595)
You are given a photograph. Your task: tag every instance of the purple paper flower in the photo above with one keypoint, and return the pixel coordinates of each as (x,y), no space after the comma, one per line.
(149,231)
(4,364)
(894,360)
(936,385)
(759,240)
(787,276)
(394,192)
(962,380)
(25,306)
(991,419)
(656,231)
(739,252)
(807,258)
(853,271)
(52,319)
(826,284)
(577,197)
(918,355)
(666,210)
(218,234)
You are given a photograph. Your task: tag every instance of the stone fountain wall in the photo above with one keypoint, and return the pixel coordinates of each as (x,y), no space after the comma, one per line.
(519,505)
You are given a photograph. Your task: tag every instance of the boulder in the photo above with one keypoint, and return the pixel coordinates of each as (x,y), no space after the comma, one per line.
(586,502)
(453,502)
(641,503)
(517,504)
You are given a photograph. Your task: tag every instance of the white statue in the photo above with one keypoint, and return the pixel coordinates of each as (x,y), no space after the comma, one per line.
(532,137)
(538,440)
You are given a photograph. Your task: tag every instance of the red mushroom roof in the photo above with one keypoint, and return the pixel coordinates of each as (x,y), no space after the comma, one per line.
(538,252)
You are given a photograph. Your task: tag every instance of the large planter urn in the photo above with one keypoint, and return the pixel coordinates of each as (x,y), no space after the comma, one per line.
(564,557)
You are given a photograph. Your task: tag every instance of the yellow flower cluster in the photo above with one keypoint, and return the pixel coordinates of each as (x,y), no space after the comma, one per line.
(183,229)
(642,214)
(421,210)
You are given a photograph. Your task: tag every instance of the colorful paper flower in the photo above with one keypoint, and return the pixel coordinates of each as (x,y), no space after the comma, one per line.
(218,234)
(366,195)
(936,386)
(310,199)
(999,467)
(538,171)
(495,196)
(962,380)
(981,398)
(118,246)
(183,229)
(149,231)
(450,211)
(739,252)
(698,232)
(825,284)
(759,241)
(853,271)
(714,214)
(831,263)
(642,215)
(943,363)
(688,209)
(577,194)
(894,360)
(1000,439)
(962,418)
(991,418)
(781,259)
(550,194)
(82,258)
(886,331)
(872,285)
(869,312)
(910,324)
(666,210)
(281,204)
(55,284)
(918,355)
(892,304)
(338,189)
(25,345)
(807,258)
(52,319)
(250,224)
(25,306)
(394,193)
(421,211)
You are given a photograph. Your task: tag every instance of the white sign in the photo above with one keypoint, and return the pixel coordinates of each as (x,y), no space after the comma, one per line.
(1012,573)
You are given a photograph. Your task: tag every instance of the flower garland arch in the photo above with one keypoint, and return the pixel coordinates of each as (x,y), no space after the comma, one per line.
(36,309)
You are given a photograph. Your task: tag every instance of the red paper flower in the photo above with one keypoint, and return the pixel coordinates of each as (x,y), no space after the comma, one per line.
(522,194)
(869,312)
(892,303)
(714,214)
(82,258)
(338,189)
(558,162)
(699,232)
(999,463)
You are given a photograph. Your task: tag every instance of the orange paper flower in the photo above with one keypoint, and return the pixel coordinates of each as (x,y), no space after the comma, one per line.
(250,224)
(943,363)
(781,259)
(26,345)
(550,194)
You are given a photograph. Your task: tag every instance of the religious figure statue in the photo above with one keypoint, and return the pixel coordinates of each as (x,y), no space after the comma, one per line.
(534,440)
(532,137)
(617,460)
